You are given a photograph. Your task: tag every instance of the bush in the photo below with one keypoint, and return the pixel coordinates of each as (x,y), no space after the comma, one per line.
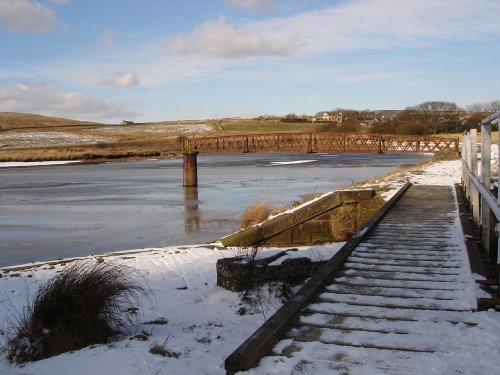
(87,303)
(255,214)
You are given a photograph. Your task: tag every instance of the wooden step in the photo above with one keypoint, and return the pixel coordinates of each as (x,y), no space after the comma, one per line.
(395,302)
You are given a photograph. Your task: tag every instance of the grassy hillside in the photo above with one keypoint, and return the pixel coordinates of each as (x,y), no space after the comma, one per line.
(14,120)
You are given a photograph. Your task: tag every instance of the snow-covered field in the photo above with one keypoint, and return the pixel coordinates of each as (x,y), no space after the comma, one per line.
(205,323)
(165,129)
(19,139)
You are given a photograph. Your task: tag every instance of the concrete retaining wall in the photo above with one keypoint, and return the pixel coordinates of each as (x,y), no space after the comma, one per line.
(306,225)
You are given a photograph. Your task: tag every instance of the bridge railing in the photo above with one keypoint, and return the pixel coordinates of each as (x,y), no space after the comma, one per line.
(477,185)
(319,142)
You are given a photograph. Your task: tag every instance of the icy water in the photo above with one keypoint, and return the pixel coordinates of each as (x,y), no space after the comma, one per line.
(60,211)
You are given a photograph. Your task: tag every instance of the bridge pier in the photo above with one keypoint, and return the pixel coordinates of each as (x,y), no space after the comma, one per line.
(190,178)
(380,145)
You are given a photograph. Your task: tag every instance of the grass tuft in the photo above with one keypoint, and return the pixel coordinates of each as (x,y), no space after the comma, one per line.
(255,214)
(86,304)
(444,156)
(304,199)
(348,218)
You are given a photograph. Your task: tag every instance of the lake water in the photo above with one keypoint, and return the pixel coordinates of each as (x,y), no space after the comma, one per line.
(60,211)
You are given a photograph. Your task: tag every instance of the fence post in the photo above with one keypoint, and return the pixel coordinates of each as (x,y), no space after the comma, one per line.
(466,147)
(474,192)
(486,181)
(463,155)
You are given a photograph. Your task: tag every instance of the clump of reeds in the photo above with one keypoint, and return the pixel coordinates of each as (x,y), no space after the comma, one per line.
(255,214)
(304,199)
(348,218)
(87,303)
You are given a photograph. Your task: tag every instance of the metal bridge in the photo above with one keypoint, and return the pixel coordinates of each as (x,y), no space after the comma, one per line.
(307,142)
(319,142)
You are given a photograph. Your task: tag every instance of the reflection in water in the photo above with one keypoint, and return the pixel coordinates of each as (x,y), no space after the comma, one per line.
(192,218)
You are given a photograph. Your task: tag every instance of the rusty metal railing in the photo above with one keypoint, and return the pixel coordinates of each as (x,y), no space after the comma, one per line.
(319,142)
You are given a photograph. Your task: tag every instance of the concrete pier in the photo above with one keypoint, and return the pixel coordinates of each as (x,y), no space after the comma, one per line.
(190,169)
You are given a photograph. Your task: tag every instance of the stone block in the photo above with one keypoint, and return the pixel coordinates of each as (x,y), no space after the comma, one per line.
(323,217)
(317,238)
(310,227)
(295,270)
(280,240)
(302,238)
(278,224)
(325,226)
(352,196)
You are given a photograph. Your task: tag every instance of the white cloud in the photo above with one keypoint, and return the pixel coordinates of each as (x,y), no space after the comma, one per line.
(59,1)
(252,5)
(26,16)
(120,80)
(348,26)
(219,39)
(49,99)
(387,24)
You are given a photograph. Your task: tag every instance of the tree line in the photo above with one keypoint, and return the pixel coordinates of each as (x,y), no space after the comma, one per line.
(423,119)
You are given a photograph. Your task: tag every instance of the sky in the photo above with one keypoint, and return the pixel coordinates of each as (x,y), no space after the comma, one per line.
(154,60)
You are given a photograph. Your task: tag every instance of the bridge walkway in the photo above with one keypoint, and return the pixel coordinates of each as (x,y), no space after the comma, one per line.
(395,304)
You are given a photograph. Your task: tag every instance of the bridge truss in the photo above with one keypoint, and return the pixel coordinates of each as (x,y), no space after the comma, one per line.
(319,142)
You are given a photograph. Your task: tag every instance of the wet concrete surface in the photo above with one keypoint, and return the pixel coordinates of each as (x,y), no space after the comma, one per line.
(72,210)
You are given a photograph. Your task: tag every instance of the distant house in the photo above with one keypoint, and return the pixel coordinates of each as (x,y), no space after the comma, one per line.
(125,122)
(330,117)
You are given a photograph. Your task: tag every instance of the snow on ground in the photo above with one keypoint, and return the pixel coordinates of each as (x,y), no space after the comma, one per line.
(205,323)
(16,139)
(12,164)
(168,128)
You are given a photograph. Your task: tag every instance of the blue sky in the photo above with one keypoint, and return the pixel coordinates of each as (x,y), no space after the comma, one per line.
(153,60)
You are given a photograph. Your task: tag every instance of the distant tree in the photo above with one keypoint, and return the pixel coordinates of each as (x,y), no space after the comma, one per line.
(436,115)
(349,126)
(292,117)
(383,127)
(484,107)
(476,108)
(411,127)
(472,120)
(493,106)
